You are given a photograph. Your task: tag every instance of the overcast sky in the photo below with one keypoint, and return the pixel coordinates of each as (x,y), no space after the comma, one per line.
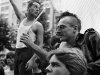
(87,10)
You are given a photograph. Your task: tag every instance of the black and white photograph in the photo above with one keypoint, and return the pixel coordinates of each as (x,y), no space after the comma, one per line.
(49,37)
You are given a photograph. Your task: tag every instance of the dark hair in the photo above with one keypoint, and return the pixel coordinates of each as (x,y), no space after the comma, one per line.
(30,3)
(73,59)
(65,14)
(10,55)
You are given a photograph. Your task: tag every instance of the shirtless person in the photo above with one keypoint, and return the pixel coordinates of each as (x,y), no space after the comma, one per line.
(24,57)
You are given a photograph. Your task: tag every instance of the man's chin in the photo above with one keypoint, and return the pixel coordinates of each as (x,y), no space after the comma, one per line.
(48,74)
(62,39)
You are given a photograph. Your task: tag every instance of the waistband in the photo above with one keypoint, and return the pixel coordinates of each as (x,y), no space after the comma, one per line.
(24,49)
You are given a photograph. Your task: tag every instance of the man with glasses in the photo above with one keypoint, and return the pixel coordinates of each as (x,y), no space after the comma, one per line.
(68,29)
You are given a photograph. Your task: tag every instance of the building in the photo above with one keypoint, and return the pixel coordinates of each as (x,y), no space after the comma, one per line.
(9,14)
(7,11)
(4,8)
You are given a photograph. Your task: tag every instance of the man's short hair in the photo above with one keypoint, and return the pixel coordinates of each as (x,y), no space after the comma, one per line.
(73,59)
(65,14)
(30,3)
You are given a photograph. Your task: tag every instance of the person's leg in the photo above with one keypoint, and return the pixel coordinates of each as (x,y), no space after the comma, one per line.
(25,57)
(22,69)
(16,72)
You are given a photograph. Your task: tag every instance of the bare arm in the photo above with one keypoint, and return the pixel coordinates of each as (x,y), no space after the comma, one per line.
(42,54)
(39,51)
(40,32)
(18,13)
(27,40)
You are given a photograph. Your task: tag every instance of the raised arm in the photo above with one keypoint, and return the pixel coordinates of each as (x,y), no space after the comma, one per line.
(18,13)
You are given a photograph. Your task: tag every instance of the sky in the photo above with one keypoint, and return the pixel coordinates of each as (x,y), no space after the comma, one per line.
(88,11)
(0,1)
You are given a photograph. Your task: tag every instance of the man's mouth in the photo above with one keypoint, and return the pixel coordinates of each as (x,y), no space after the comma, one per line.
(59,34)
(36,12)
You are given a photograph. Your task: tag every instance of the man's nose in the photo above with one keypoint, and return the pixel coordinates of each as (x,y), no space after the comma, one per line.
(37,9)
(48,69)
(58,32)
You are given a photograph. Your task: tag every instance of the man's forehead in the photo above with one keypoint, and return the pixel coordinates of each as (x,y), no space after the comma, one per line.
(62,21)
(53,58)
(35,3)
(65,21)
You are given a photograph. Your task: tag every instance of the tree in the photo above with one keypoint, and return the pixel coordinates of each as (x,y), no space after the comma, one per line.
(43,20)
(13,35)
(4,34)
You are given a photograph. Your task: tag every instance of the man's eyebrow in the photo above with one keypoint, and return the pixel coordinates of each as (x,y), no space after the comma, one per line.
(55,63)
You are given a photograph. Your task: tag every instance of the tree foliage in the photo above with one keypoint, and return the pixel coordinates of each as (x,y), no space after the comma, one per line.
(4,34)
(43,20)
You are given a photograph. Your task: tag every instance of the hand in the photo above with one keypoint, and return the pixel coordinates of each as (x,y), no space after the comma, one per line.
(30,65)
(26,39)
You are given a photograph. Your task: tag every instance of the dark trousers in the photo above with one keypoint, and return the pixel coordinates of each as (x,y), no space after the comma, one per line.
(22,55)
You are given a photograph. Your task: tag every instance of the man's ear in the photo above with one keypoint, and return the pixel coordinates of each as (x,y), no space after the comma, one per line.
(75,28)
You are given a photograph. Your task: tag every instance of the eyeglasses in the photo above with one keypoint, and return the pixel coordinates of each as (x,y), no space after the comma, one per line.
(61,27)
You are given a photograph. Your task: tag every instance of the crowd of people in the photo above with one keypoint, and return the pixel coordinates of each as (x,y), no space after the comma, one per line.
(72,53)
(7,64)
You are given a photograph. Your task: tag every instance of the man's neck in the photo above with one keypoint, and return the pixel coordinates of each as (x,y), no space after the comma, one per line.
(30,18)
(72,40)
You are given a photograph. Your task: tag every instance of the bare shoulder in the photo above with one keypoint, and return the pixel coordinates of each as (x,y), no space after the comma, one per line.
(37,26)
(22,17)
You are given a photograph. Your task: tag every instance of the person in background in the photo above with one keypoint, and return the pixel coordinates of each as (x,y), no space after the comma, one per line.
(10,63)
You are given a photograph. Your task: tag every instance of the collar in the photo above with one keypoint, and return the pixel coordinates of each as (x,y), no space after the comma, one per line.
(79,39)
